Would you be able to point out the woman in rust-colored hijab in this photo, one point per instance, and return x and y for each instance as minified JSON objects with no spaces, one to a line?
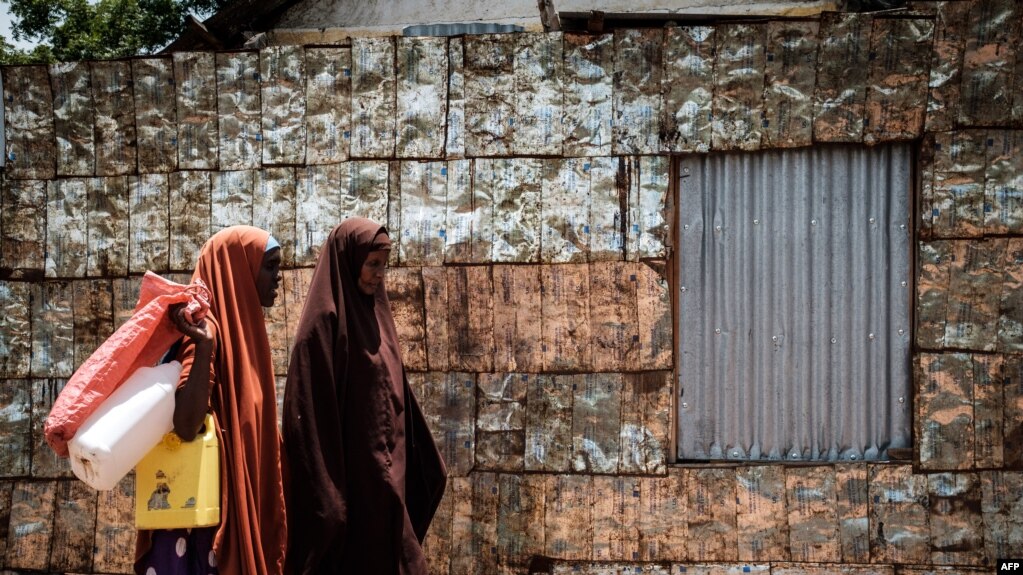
{"x":227,"y":370}
{"x":365,"y":476}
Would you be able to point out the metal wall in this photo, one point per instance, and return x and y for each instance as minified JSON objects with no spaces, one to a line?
{"x":795,"y":272}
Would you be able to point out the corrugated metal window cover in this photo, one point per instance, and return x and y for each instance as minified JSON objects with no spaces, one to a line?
{"x":794,"y":304}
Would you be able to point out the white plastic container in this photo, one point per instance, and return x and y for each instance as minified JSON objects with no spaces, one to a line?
{"x":125,"y":427}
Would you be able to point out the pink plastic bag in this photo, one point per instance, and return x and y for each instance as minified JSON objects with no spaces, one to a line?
{"x":140,"y":342}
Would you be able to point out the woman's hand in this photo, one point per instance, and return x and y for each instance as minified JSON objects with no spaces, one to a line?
{"x":201,"y":331}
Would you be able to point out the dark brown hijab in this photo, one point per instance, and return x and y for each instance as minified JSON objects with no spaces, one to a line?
{"x":365,"y":476}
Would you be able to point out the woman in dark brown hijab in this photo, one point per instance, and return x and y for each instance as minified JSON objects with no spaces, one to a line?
{"x":365,"y":475}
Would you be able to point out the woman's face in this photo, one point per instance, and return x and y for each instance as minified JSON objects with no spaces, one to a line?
{"x":269,"y":277}
{"x":373,"y":269}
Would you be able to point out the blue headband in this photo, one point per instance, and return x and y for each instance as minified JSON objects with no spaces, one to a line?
{"x":271,"y":243}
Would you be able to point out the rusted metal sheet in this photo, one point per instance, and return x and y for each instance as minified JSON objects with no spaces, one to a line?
{"x":422,"y":95}
{"x":838,"y":107}
{"x":935,"y":262}
{"x":190,"y":200}
{"x":373,"y":97}
{"x":613,"y":514}
{"x":107,"y":227}
{"x":5,"y":514}
{"x":73,"y":118}
{"x":789,"y":81}
{"x":853,"y":520}
{"x":687,"y":88}
{"x":501,"y":421}
{"x":405,"y":292}
{"x":152,"y":80}
{"x":460,"y":491}
{"x":649,"y":216}
{"x":296,"y":286}
{"x":568,"y":524}
{"x":549,"y":423}
{"x":15,"y":329}
{"x":282,"y":78}
{"x":461,"y":214}
{"x":596,"y":423}
{"x":711,"y":496}
{"x":485,"y":504}
{"x":45,"y":462}
{"x":454,"y":146}
{"x":636,"y":100}
{"x":520,"y":524}
{"x":15,"y":429}
{"x":115,"y":528}
{"x":93,"y":316}
{"x":818,"y":569}
{"x":423,"y":191}
{"x":273,"y":208}
{"x":515,"y":185}
{"x":539,"y":101}
{"x":517,"y":313}
{"x":1010,"y":306}
{"x":971,"y":317}
{"x":231,"y":199}
{"x":52,"y":330}
{"x":565,"y":211}
{"x":588,"y":70}
{"x":813,"y":518}
{"x":29,"y":130}
{"x":22,"y":228}
{"x":74,"y":526}
{"x":364,"y":191}
{"x":117,"y":152}
{"x":661,"y":513}
{"x":645,"y":424}
{"x":992,"y":39}
{"x":760,"y":513}
{"x":490,"y":99}
{"x":738,"y":102}
{"x":957,"y":527}
{"x":565,"y":310}
{"x":1012,"y":377}
{"x":195,"y":77}
{"x":317,"y":209}
{"x":900,"y":52}
{"x":471,"y":318}
{"x":276,"y":319}
{"x":449,"y":403}
{"x":609,"y":189}
{"x":900,"y":504}
{"x":149,"y":223}
{"x":988,"y":413}
{"x":924,"y":207}
{"x":488,"y":175}
{"x":946,"y":65}
{"x":1003,"y":182}
{"x":66,"y":241}
{"x":435,"y":302}
{"x":238,"y":105}
{"x":125,"y":296}
{"x":440,"y":539}
{"x":720,"y":569}
{"x":653,"y":309}
{"x":614,"y":317}
{"x":31,"y":524}
{"x":945,"y":411}
{"x":328,"y":100}
{"x":1002,"y":512}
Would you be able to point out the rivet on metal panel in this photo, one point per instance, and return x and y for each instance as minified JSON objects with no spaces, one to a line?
{"x":718,"y":330}
{"x":903,"y":226}
{"x":872,"y":220}
{"x":904,"y":284}
{"x":756,"y":222}
{"x":795,"y":455}
{"x":683,"y":288}
{"x":685,"y":227}
{"x":834,"y":340}
{"x":685,"y":170}
{"x":717,"y":228}
{"x":902,"y":400}
{"x":735,"y":454}
{"x":870,"y":336}
{"x":774,"y":338}
{"x":853,"y":457}
{"x":902,"y":332}
{"x":813,"y":222}
{"x":685,"y":405}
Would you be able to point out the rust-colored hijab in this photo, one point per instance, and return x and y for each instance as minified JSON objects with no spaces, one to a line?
{"x":252,"y":536}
